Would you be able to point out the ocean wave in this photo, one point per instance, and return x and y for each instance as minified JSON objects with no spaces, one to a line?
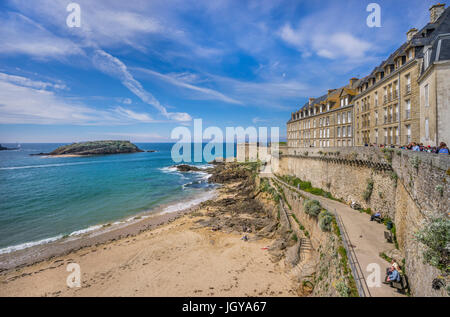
{"x":28,"y":245}
{"x":169,"y":169}
{"x":190,"y":203}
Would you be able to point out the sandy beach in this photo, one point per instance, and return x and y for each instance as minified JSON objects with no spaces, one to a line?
{"x":168,"y":255}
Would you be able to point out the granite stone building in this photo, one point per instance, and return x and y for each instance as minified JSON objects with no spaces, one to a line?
{"x":404,"y":99}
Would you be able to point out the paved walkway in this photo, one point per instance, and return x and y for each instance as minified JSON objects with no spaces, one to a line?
{"x":366,"y":237}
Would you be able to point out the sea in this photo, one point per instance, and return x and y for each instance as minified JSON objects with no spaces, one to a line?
{"x":44,"y":198}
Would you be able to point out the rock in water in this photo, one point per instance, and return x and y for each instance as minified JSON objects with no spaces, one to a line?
{"x":187,"y":168}
{"x":96,"y":148}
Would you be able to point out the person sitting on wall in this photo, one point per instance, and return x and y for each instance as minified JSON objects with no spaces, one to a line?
{"x":393,"y":273}
{"x":394,"y":276}
{"x":375,"y":216}
{"x":443,"y":149}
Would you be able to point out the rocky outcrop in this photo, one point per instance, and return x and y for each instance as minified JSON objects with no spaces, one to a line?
{"x":228,"y":173}
{"x":95,"y":148}
{"x":187,"y":168}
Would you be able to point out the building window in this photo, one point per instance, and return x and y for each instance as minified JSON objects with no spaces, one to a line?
{"x":427,"y":97}
{"x":339,"y":118}
{"x":349,"y":130}
{"x":426,"y":59}
{"x":408,"y":134}
{"x":408,"y":109}
{"x":427,"y":129}
{"x":349,"y":116}
{"x":408,"y":84}
{"x":339,"y":132}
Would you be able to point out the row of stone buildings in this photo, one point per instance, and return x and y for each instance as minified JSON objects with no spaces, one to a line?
{"x":405,"y":99}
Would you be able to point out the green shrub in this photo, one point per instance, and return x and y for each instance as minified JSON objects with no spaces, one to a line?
{"x":435,"y":235}
{"x":342,"y":289}
{"x":325,"y":220}
{"x":312,"y":207}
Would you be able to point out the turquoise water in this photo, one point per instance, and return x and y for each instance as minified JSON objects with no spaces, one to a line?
{"x":44,"y":197}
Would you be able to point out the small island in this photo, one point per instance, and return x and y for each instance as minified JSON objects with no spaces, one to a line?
{"x":2,"y":148}
{"x":94,"y":148}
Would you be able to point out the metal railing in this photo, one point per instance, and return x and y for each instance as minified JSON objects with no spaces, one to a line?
{"x":357,"y":272}
{"x":361,"y":284}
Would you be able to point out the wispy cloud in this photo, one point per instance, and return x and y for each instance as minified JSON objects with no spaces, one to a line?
{"x":21,"y":35}
{"x":182,"y":80}
{"x":26,"y":82}
{"x":332,"y":45}
{"x":26,"y":101}
{"x":114,"y":67}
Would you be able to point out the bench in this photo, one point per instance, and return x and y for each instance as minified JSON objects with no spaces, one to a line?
{"x":388,"y":237}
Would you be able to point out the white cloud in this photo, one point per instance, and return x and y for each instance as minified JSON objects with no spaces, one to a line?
{"x":114,"y":67}
{"x":127,"y":101}
{"x":27,"y":102}
{"x":259,"y":120}
{"x":26,"y":82}
{"x":182,"y":80}
{"x":141,"y":117}
{"x":331,"y":45}
{"x":21,"y":35}
{"x":137,"y":137}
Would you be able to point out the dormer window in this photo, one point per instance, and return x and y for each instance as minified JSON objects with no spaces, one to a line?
{"x":426,"y":59}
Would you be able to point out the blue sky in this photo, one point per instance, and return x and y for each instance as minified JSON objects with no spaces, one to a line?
{"x":137,"y":69}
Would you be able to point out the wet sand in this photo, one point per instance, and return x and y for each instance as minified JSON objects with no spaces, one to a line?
{"x":165,"y":255}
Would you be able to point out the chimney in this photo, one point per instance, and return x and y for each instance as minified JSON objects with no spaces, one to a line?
{"x":411,"y":33}
{"x":353,"y":81}
{"x":436,"y":11}
{"x":311,"y":101}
